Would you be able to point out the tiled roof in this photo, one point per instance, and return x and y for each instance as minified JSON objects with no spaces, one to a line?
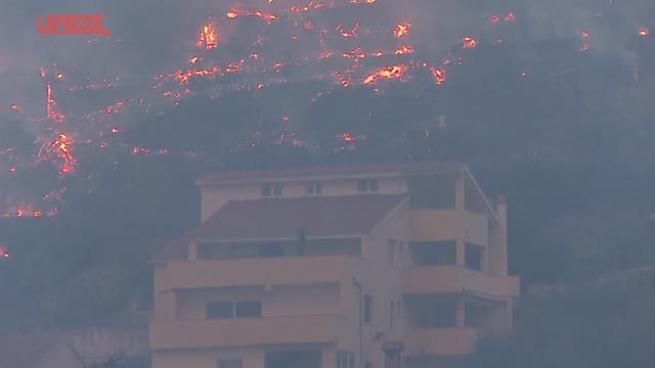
{"x":283,"y":218}
{"x":326,"y":171}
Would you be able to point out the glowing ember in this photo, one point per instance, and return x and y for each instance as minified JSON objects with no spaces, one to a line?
{"x":208,"y":38}
{"x":401,"y":30}
{"x":469,"y":42}
{"x":494,"y":19}
{"x":584,"y":36}
{"x":510,"y":17}
{"x":60,"y":148}
{"x":15,"y":107}
{"x":404,"y":50}
{"x":352,"y":33}
{"x":644,"y":32}
{"x":439,"y":75}
{"x":4,"y":253}
{"x":118,"y":106}
{"x":346,"y":137}
{"x":194,"y":59}
{"x":268,"y":17}
{"x":183,"y":76}
{"x":385,"y":72}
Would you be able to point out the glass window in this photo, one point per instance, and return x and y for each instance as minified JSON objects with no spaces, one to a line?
{"x":220,"y":310}
{"x":313,"y":187}
{"x":228,"y":363}
{"x":277,"y":189}
{"x":373,"y":185}
{"x":368,"y":308}
{"x":473,"y":257}
{"x":248,"y":309}
{"x":267,"y":190}
{"x":440,"y":253}
{"x":362,"y":185}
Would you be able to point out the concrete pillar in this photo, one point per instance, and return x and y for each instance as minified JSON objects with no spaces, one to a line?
{"x":460,"y":250}
{"x":329,"y":358}
{"x":193,"y":251}
{"x":460,"y":193}
{"x":461,"y":313}
{"x":500,"y":246}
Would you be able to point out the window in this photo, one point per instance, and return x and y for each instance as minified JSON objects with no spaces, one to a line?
{"x":392,"y":312}
{"x":314,"y":187}
{"x":436,"y":315}
{"x":392,"y":243}
{"x":220,"y":310}
{"x":440,"y":253}
{"x":248,"y":309}
{"x":232,"y":310}
{"x":368,"y":308}
{"x":345,"y":359}
{"x":269,"y":190}
{"x":473,"y":257}
{"x":432,"y":192}
{"x":228,"y":363}
{"x":367,"y":185}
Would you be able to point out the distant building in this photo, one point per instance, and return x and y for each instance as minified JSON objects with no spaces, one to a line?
{"x":37,"y":351}
{"x":334,"y":267}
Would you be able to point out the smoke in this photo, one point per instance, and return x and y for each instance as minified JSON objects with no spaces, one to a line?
{"x":109,"y":85}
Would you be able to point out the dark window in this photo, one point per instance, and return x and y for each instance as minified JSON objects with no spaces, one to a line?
{"x":473,"y":257}
{"x":437,"y":315}
{"x":373,"y":185}
{"x":277,"y":189}
{"x":474,"y":315}
{"x":473,"y":200}
{"x":368,"y":308}
{"x":313,"y":187}
{"x":439,"y":253}
{"x":362,"y":185}
{"x":248,"y":309}
{"x":244,"y":251}
{"x":228,"y":363}
{"x":271,"y":189}
{"x":432,"y":192}
{"x":272,"y":250}
{"x":392,"y":311}
{"x":220,"y":310}
{"x":267,"y":190}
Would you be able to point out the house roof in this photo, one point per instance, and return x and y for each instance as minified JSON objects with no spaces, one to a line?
{"x":334,"y":170}
{"x":28,"y":351}
{"x":274,"y":218}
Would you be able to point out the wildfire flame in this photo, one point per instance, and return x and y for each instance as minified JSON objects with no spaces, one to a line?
{"x":439,"y":75}
{"x":401,"y":30}
{"x":208,"y":38}
{"x":469,"y":42}
{"x":644,"y":32}
{"x":4,"y":253}
{"x":385,"y":72}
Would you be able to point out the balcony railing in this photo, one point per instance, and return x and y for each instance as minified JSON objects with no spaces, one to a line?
{"x":453,"y":279}
{"x":440,"y":341}
{"x":247,"y":332}
{"x":255,"y":271}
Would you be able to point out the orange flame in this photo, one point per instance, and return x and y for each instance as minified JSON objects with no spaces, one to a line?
{"x":385,"y":72}
{"x":469,"y":42}
{"x":439,"y":75}
{"x":268,"y":17}
{"x":402,"y":30}
{"x":404,"y":50}
{"x":348,"y":34}
{"x":644,"y":32}
{"x":208,"y":38}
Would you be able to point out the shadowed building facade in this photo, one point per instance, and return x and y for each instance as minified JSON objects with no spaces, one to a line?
{"x":334,"y":267}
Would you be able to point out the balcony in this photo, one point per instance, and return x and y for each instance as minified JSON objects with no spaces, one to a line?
{"x":440,"y":341}
{"x":453,"y":279}
{"x":247,"y":332}
{"x":447,"y":224}
{"x":256,"y":271}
